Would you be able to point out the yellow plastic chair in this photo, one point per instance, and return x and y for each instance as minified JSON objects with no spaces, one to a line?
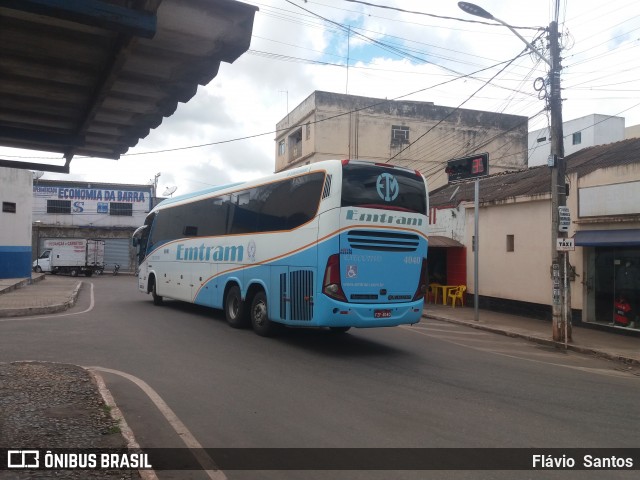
{"x":457,"y":294}
{"x":432,"y":293}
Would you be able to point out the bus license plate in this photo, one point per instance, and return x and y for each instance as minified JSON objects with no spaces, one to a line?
{"x":382,"y":314}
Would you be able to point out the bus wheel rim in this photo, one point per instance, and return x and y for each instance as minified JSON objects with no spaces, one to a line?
{"x":260,"y":313}
{"x":234,"y":307}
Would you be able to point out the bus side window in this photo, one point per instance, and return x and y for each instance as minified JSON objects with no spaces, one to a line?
{"x":244,"y":214}
{"x":190,"y":231}
{"x":214,"y":220}
{"x":304,"y":198}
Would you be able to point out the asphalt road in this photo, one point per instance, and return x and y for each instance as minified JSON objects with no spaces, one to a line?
{"x":434,"y":385}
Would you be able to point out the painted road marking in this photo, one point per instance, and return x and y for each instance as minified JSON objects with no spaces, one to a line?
{"x":180,"y":428}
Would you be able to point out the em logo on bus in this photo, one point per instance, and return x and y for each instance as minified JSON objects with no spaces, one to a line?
{"x":387,"y":187}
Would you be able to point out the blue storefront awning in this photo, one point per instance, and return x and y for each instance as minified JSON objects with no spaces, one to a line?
{"x":607,"y":238}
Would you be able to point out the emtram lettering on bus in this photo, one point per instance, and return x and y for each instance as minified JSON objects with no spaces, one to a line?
{"x":383,"y":218}
{"x":205,"y":253}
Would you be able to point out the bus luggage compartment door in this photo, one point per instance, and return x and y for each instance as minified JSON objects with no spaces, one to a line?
{"x":295,"y":293}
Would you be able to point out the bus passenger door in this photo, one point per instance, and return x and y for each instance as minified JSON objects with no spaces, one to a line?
{"x":178,"y":281}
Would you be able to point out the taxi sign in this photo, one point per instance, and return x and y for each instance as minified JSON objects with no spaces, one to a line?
{"x":565,"y":245}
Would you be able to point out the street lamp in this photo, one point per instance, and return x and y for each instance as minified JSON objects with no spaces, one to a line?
{"x":472,"y":9}
{"x":561,"y":298}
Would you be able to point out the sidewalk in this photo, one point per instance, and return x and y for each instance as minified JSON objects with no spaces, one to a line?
{"x":44,"y":295}
{"x":586,"y":340}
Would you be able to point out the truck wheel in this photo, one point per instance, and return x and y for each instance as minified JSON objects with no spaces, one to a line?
{"x":38,"y":269}
{"x":73,"y":272}
{"x":234,"y":309}
{"x":157,"y":299}
{"x":260,"y":318}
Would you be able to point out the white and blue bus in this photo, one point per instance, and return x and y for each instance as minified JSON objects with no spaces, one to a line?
{"x":335,"y":244}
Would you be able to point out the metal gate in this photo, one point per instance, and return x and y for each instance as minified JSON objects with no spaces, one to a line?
{"x":117,"y":250}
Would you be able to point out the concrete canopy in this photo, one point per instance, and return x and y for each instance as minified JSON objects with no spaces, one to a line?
{"x":94,"y":77}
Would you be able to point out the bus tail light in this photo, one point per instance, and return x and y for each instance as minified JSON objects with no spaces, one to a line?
{"x":331,"y":286}
{"x":422,"y":284}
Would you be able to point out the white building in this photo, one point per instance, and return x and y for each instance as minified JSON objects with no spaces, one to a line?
{"x":578,"y":134}
{"x":111,"y":212}
{"x":515,"y":247}
{"x":418,"y":135}
{"x":15,"y":223}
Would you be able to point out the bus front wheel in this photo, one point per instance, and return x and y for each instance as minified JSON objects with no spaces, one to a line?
{"x":234,"y":309}
{"x":157,"y":299}
{"x":260,"y":318}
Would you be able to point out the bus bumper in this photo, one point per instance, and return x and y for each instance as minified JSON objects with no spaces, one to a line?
{"x":339,"y":314}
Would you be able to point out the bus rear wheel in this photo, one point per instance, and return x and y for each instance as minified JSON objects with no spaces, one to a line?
{"x":234,"y":309}
{"x":260,"y":318}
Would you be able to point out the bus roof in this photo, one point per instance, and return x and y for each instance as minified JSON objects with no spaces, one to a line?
{"x":199,"y":193}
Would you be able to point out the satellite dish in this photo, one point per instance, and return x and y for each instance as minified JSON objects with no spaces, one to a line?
{"x":37,"y":174}
{"x":169,"y":191}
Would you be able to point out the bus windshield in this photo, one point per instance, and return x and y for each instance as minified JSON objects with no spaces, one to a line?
{"x":377,"y":186}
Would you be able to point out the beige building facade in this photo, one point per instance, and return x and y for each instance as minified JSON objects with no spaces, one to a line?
{"x":515,"y":237}
{"x":419,"y":135}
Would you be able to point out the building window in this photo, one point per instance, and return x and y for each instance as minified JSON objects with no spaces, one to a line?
{"x":510,"y":243}
{"x":281,"y":148}
{"x":121,"y":209}
{"x":8,"y":207}
{"x":399,"y":135}
{"x":577,"y":138}
{"x":308,"y":130}
{"x":59,"y":206}
{"x":295,"y":145}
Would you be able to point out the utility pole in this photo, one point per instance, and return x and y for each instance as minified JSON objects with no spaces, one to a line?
{"x":561,"y":295}
{"x":561,"y":301}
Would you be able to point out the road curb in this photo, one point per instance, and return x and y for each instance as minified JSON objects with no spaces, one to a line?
{"x":543,"y":341}
{"x":69,"y":302}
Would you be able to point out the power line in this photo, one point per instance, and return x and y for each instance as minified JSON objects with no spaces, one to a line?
{"x":458,"y":107}
{"x":435,"y":16}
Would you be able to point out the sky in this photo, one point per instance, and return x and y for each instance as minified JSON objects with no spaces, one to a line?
{"x":414,"y":50}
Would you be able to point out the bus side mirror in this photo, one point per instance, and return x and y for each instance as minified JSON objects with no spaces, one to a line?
{"x":134,"y":241}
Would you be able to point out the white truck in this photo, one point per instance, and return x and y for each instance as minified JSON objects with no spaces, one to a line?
{"x":73,"y":256}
